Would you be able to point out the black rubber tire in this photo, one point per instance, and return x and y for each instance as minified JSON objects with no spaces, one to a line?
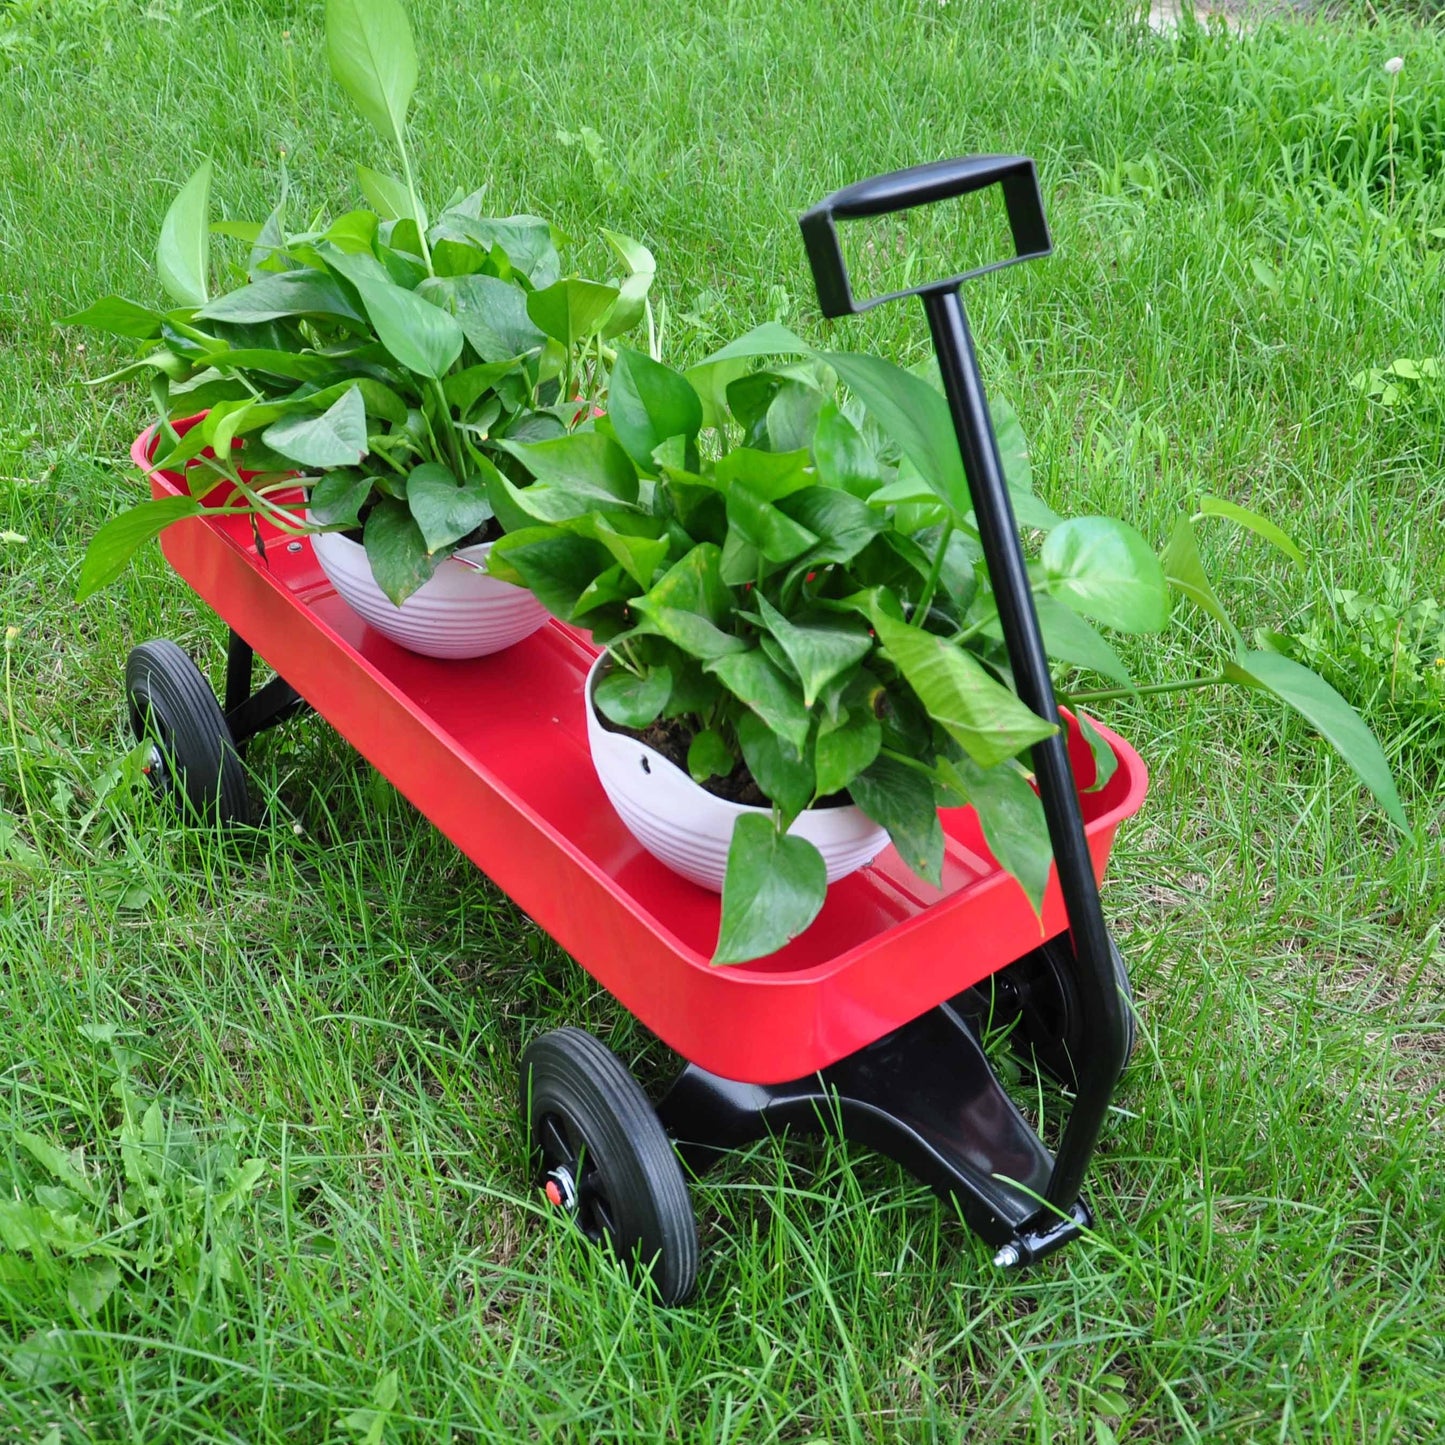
{"x":1038,"y":999}
{"x":630,"y":1193}
{"x":195,"y":763}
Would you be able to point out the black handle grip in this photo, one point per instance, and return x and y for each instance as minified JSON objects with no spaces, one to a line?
{"x":921,"y":186}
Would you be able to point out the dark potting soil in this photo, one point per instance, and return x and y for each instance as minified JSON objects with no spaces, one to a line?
{"x":672,"y":737}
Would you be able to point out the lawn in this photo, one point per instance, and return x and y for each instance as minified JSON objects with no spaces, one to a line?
{"x":339,"y":996}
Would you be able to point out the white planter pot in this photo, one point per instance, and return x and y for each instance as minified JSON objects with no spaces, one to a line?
{"x":689,"y":828}
{"x":460,"y":612}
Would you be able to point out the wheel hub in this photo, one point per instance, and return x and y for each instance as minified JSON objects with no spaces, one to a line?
{"x":561,"y":1189}
{"x":154,"y":769}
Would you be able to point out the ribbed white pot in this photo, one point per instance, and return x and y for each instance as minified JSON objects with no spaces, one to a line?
{"x":460,"y":612}
{"x":689,"y":828}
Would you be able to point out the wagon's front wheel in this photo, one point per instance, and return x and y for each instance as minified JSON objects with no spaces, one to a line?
{"x":192,"y":759}
{"x":1039,"y":1000}
{"x":602,"y":1156}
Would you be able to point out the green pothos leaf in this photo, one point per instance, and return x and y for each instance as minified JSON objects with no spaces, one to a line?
{"x":630,"y":700}
{"x":1106,"y":760}
{"x":774,"y":888}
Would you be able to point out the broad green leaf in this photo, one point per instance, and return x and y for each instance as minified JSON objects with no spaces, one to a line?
{"x":774,"y":888}
{"x":633,"y":254}
{"x":271,"y":238}
{"x":1106,"y":760}
{"x":380,"y":401}
{"x":284,"y":294}
{"x":373,"y":59}
{"x":526,"y":245}
{"x":784,"y":774}
{"x":843,"y":457}
{"x":247,"y":231}
{"x":610,"y":586}
{"x":910,"y":489}
{"x":1326,"y":710}
{"x":336,"y":438}
{"x":1013,"y":450}
{"x":574,"y":473}
{"x":769,"y":339}
{"x":694,"y":634}
{"x":463,"y":389}
{"x":492,"y":313}
{"x":648,"y":403}
{"x":631,"y":304}
{"x":843,"y":751}
{"x":978,"y":712}
{"x":445,"y":510}
{"x":118,"y":317}
{"x":353,"y":233}
{"x":632,"y":701}
{"x":1069,"y":639}
{"x":819,"y":651}
{"x":710,"y":380}
{"x":338,"y":497}
{"x":915,"y":416}
{"x":1261,"y":526}
{"x":396,"y":550}
{"x":1106,"y":570}
{"x":761,"y":525}
{"x":694,"y":584}
{"x":708,"y":756}
{"x":1184,"y":571}
{"x":119,"y":539}
{"x":183,"y":255}
{"x":90,"y":1283}
{"x":792,"y":416}
{"x":842,"y":523}
{"x":769,"y":476}
{"x":640,"y":556}
{"x":572,"y":310}
{"x":293,"y":365}
{"x":900,"y":799}
{"x":555,"y":566}
{"x":1012,"y":818}
{"x":755,"y":681}
{"x":422,"y":337}
{"x":387,"y":196}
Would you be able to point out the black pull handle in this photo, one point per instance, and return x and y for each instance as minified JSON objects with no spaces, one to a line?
{"x":998,"y":534}
{"x":921,"y":186}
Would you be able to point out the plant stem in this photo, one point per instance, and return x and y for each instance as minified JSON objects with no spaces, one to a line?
{"x":930,"y":586}
{"x":445,"y":417}
{"x":416,"y":212}
{"x":907,"y":762}
{"x":1109,"y":693}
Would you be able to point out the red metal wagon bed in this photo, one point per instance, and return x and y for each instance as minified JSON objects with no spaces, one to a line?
{"x":870,"y":1018}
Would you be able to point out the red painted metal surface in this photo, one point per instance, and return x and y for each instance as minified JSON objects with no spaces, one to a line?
{"x":494,"y":753}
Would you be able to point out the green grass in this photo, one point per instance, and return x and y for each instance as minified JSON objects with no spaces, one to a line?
{"x":339,"y":995}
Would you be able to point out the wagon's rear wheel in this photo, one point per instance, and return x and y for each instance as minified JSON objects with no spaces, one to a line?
{"x":602,"y":1156}
{"x":193,"y":760}
{"x":1039,"y":1000}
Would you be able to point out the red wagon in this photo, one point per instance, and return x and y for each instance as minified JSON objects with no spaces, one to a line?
{"x":870,"y":1020}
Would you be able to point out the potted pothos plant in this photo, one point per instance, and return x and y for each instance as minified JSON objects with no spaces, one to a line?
{"x":802,"y":658}
{"x":376,"y":363}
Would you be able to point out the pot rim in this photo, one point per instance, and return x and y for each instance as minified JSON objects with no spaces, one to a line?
{"x":469,"y":556}
{"x":593,"y":672}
